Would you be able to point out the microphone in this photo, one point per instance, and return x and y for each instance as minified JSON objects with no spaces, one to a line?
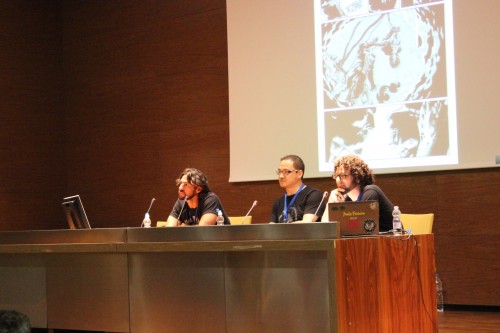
{"x":146,"y":223}
{"x":150,"y":205}
{"x":253,"y":205}
{"x":182,"y":208}
{"x":325,"y":195}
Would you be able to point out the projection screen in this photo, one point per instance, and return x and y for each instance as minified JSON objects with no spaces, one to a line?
{"x":409,"y":85}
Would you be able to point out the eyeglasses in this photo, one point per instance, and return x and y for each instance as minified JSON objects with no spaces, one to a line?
{"x":342,"y":176}
{"x":179,"y":182}
{"x":285,"y":172}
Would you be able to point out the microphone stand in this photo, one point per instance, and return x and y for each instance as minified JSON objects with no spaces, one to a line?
{"x":253,"y":205}
{"x":325,"y":194}
{"x":182,"y":208}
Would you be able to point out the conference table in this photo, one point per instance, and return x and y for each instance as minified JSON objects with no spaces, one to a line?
{"x":300,"y":277}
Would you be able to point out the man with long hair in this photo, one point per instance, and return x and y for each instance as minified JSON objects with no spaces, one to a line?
{"x":197,"y":204}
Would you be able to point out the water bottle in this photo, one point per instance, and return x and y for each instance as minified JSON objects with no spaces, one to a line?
{"x":146,"y":223}
{"x":439,"y":294}
{"x":396,"y":221}
{"x":220,"y":217}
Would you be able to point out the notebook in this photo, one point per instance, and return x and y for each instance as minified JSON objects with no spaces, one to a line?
{"x":355,"y":218}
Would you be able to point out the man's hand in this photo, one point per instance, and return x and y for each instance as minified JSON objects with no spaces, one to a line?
{"x":338,"y":195}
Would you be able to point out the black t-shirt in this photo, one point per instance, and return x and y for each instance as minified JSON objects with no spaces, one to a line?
{"x":208,"y":203}
{"x":306,"y":203}
{"x":373,"y":192}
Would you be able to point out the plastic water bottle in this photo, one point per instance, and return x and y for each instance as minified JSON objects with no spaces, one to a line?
{"x":146,"y":223}
{"x":220,"y":217}
{"x":439,"y":293}
{"x":396,"y":221}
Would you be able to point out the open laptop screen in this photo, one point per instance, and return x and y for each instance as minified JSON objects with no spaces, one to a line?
{"x":356,"y":218}
{"x":75,"y":214}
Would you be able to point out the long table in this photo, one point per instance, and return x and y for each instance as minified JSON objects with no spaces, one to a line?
{"x":241,"y":278}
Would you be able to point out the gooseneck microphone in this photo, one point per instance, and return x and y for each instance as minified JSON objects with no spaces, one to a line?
{"x":147,"y":221}
{"x":150,"y":205}
{"x":253,"y":205}
{"x":325,"y":195}
{"x":182,"y":208}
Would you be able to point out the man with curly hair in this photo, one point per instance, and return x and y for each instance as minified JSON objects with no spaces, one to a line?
{"x":197,"y":205}
{"x":355,"y":182}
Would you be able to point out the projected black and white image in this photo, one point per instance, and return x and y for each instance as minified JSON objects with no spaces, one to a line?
{"x":396,"y":131}
{"x":384,"y":91}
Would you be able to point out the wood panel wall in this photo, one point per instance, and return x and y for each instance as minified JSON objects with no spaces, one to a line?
{"x":32,"y":165}
{"x":135,"y":91}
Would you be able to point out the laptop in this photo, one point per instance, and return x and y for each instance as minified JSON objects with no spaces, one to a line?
{"x":75,"y":214}
{"x":358,"y":218}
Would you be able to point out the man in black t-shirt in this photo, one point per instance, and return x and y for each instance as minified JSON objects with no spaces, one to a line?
{"x":197,"y":205}
{"x":299,"y":202}
{"x":354,"y":181}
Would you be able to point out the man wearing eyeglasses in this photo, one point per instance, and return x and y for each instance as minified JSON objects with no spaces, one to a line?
{"x":299,"y":202}
{"x":355,"y":182}
{"x":197,"y":205}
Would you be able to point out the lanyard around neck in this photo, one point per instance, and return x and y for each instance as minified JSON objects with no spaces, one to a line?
{"x":360,"y":195}
{"x":287,"y":207}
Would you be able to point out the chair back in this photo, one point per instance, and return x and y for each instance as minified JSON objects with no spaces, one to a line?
{"x":239,"y":219}
{"x":419,"y":224}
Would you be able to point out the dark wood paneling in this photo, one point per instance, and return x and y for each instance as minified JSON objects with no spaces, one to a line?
{"x":469,"y":267}
{"x":144,"y":95}
{"x":32,"y":170}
